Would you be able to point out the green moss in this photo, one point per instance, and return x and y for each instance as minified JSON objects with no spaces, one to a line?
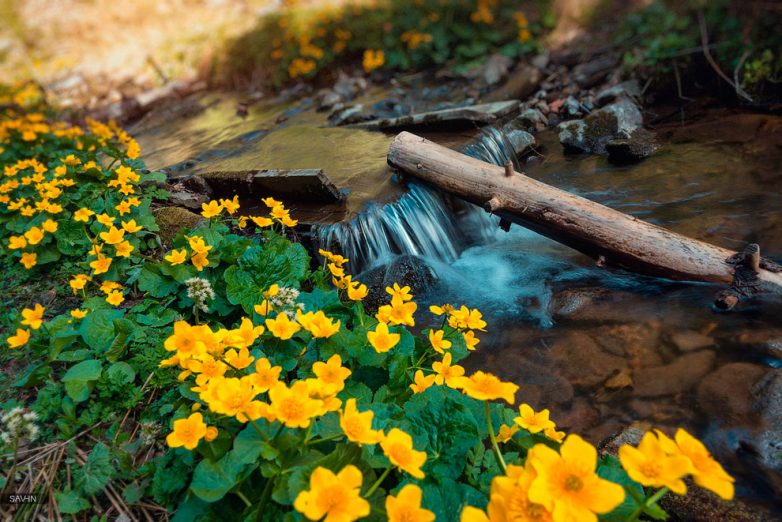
{"x":173,"y":219}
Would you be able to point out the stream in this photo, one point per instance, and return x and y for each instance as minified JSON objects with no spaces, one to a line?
{"x":601,"y":348}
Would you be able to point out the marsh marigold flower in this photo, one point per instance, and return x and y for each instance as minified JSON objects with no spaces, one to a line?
{"x":20,"y":338}
{"x":176,"y":257}
{"x":567,"y":485}
{"x":265,"y":376}
{"x":293,"y":406}
{"x":422,"y":382}
{"x":282,"y":327}
{"x":318,"y":324}
{"x":438,"y":343}
{"x":357,"y":426}
{"x":77,"y":313}
{"x":406,"y":506}
{"x":211,"y":209}
{"x":487,"y":387}
{"x":707,"y":473}
{"x":187,"y":432}
{"x":531,"y":421}
{"x":332,"y":373}
{"x":337,"y":497}
{"x":446,"y":373}
{"x":398,"y":447}
{"x":650,"y":465}
{"x":33,"y":317}
{"x":381,"y":339}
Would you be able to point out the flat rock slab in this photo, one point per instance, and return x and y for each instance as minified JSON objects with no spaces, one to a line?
{"x":310,"y":185}
{"x":483,"y":114}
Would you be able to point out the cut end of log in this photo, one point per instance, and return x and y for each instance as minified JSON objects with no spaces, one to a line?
{"x":493,"y":205}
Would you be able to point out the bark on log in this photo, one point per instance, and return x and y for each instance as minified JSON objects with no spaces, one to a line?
{"x":579,"y":223}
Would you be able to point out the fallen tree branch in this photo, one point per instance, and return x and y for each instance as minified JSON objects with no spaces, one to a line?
{"x":598,"y":231}
{"x":714,"y":65}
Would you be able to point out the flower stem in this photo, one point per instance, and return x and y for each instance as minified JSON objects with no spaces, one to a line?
{"x":493,"y":437}
{"x":267,"y":491}
{"x":649,"y":502}
{"x":324,"y":439}
{"x":243,"y":497}
{"x":377,"y":483}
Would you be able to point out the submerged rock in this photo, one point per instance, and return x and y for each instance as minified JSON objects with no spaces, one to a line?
{"x":583,"y":362}
{"x":406,"y":270}
{"x":690,"y":340}
{"x":679,"y":376}
{"x":726,"y":395}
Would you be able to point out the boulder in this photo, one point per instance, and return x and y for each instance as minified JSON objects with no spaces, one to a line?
{"x":700,"y":505}
{"x":676,"y":377}
{"x":521,"y":140}
{"x":171,"y":220}
{"x":593,"y":133}
{"x":629,"y":89}
{"x":726,"y":395}
{"x":532,"y":120}
{"x":637,"y":146}
{"x":406,"y":270}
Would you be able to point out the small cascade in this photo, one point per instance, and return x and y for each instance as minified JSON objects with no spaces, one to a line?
{"x":422,"y":222}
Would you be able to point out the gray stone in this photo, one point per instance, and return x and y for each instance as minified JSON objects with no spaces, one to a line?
{"x":571,"y":107}
{"x":679,"y":376}
{"x":591,"y":134}
{"x":637,"y":146}
{"x":628,"y":89}
{"x":351,"y":114}
{"x":520,"y":140}
{"x":531,"y":119}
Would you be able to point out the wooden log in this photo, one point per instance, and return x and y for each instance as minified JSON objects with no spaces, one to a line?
{"x":591,"y":228}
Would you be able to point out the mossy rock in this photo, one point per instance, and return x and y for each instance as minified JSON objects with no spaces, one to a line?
{"x":173,"y":219}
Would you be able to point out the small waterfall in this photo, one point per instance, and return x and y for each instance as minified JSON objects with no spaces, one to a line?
{"x":422,"y":222}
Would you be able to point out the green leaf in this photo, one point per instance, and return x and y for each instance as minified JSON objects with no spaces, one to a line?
{"x":121,"y":372}
{"x":80,"y":378}
{"x":33,"y":375}
{"x":70,"y":502}
{"x":212,"y":480}
{"x":97,"y":329}
{"x":96,"y":472}
{"x":124,"y":329}
{"x":71,"y":238}
{"x":154,"y":284}
{"x":442,"y":425}
{"x":446,"y":496}
{"x":609,"y":468}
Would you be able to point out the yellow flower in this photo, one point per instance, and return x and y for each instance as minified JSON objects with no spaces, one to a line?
{"x":233,"y":397}
{"x":105,"y":219}
{"x":239,"y":360}
{"x":34,"y":235}
{"x":78,"y":282}
{"x":115,"y":298}
{"x":176,"y":257}
{"x":281,"y":327}
{"x":357,"y":291}
{"x":398,"y":447}
{"x":486,"y":387}
{"x":553,"y":434}
{"x":422,"y":382}
{"x":531,"y":421}
{"x":261,"y":222}
{"x":188,"y":341}
{"x":230,"y":205}
{"x":470,"y":340}
{"x":332,"y":373}
{"x":381,"y":340}
{"x":19,"y":339}
{"x":187,"y":432}
{"x":200,"y":261}
{"x":398,"y":312}
{"x":506,"y":433}
{"x":336,"y":497}
{"x":130,"y":226}
{"x":440,"y":310}
{"x":293,"y":406}
{"x":101,"y":265}
{"x":566,"y":482}
{"x":265,"y":376}
{"x":473,"y":514}
{"x":650,"y":465}
{"x":113,"y":236}
{"x":50,"y":226}
{"x":107,"y":286}
{"x":262,"y":309}
{"x":123,"y":249}
{"x":76,"y":313}
{"x":373,"y":59}
{"x":198,"y":245}
{"x":33,"y":317}
{"x":406,"y":506}
{"x":509,"y":499}
{"x":708,"y":473}
{"x":211,"y":209}
{"x":357,"y":426}
{"x":438,"y":343}
{"x":271,"y":202}
{"x":211,"y":433}
{"x":16,"y":242}
{"x":318,"y":324}
{"x":398,"y":292}
{"x":447,"y":374}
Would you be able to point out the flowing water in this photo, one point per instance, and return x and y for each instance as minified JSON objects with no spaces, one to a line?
{"x":601,"y":348}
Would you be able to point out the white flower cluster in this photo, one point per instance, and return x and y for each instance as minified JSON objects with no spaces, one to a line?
{"x":199,"y":290}
{"x":285,"y":299}
{"x":18,"y":425}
